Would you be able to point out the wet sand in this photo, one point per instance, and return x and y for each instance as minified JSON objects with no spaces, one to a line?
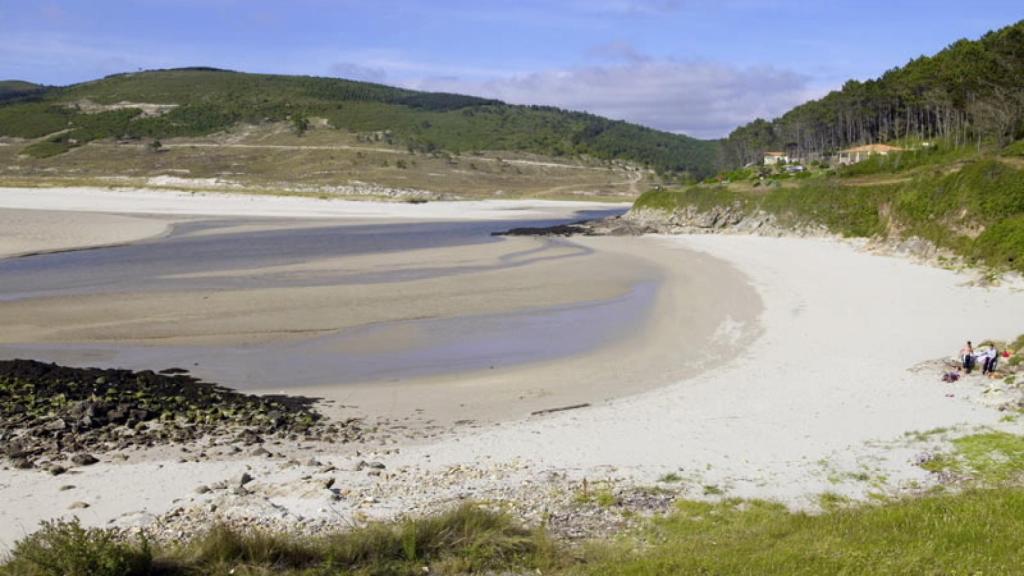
{"x":36,"y":231}
{"x":397,"y":319}
{"x":703,"y":312}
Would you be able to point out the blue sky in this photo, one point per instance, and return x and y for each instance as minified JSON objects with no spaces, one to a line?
{"x":700,"y":67}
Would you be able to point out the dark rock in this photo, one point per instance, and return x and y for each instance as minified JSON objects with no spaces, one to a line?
{"x":84,"y":459}
{"x":117,"y":415}
{"x":21,"y":463}
{"x":50,"y":410}
{"x":55,"y":425}
{"x":56,"y":469}
{"x":173,"y":371}
{"x":244,"y":479}
{"x":577,"y":228}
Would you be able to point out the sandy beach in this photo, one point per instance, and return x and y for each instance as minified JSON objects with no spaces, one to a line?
{"x":770,"y":367}
{"x":36,"y":231}
{"x":165,"y":202}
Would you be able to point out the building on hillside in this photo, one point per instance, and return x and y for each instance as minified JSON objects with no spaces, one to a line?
{"x":861,"y":153}
{"x":773,"y":158}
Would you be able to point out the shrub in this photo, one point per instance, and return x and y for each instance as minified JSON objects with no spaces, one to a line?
{"x":65,"y":548}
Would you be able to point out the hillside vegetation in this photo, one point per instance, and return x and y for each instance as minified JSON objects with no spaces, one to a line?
{"x":10,"y":89}
{"x":975,"y":211}
{"x":958,"y":184}
{"x":970,"y":92}
{"x":201,"y":101}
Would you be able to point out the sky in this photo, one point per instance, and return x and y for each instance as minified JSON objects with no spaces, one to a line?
{"x":699,"y":67}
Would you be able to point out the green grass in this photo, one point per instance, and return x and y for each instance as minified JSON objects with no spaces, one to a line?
{"x":1014,"y":149}
{"x":975,"y":532}
{"x":976,"y":211}
{"x":991,"y":458}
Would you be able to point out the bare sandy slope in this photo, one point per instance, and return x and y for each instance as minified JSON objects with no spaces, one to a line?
{"x":34,"y":231}
{"x":820,"y":402}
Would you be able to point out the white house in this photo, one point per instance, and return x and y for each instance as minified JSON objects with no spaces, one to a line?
{"x":773,"y":158}
{"x":861,"y":153}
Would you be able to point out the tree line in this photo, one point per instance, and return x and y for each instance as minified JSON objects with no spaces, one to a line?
{"x":969,"y":93}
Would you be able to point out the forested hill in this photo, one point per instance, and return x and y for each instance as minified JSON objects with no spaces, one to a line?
{"x":201,"y":101}
{"x":972,"y":91}
{"x":10,"y":89}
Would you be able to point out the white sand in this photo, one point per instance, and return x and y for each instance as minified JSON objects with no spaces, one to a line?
{"x":133,"y":201}
{"x":35,"y":231}
{"x":829,"y":380}
{"x":826,"y":389}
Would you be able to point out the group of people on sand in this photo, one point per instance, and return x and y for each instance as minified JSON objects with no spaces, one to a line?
{"x":988,"y":357}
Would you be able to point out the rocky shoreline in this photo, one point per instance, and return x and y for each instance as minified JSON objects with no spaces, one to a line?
{"x":733,"y":219}
{"x":52,"y":417}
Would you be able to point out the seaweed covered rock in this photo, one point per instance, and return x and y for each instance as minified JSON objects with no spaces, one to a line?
{"x":51,"y":410}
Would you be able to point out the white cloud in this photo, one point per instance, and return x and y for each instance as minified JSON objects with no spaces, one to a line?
{"x":701,"y":99}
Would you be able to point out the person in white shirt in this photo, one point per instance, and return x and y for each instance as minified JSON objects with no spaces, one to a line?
{"x":991,"y":358}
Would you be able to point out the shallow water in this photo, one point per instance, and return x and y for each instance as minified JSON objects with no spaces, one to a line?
{"x":151,"y":265}
{"x":390,"y":351}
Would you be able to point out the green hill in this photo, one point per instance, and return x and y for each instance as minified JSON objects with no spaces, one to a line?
{"x":12,"y":89}
{"x":195,"y":102}
{"x":971,"y":92}
{"x":958,"y":184}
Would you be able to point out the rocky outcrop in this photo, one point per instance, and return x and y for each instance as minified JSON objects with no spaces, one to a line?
{"x":724,"y":219}
{"x":718,"y":219}
{"x":736,"y":219}
{"x":50,"y":412}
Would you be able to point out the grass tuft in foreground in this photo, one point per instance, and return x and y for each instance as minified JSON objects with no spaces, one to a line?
{"x":64,"y":548}
{"x":973,"y":532}
{"x":467,"y":539}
